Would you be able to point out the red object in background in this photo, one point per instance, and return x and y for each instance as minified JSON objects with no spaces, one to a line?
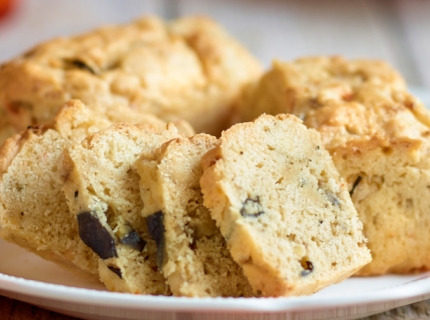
{"x":5,"y":6}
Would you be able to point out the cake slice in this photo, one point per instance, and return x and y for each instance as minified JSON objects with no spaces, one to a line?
{"x":192,"y":252}
{"x":284,"y":211}
{"x":33,"y":209}
{"x":102,"y":190}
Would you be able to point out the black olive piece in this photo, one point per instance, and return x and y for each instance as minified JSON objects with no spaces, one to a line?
{"x":156,"y":231}
{"x":116,"y":270}
{"x":332,"y":198}
{"x":133,"y":240}
{"x":82,"y":65}
{"x":251,"y":208}
{"x":308,"y":266}
{"x":302,"y":182}
{"x":95,"y":236}
{"x":356,"y":182}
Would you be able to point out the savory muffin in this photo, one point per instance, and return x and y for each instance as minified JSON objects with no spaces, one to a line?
{"x":186,"y":69}
{"x":311,"y":82}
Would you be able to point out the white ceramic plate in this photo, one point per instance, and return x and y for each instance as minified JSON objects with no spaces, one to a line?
{"x":26,"y":277}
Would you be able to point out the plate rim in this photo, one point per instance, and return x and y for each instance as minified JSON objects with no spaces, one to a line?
{"x":414,"y":288}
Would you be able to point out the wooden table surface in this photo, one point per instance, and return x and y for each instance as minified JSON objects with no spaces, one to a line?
{"x":11,"y":309}
{"x":392,"y":30}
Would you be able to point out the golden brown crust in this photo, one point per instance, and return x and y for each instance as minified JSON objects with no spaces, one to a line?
{"x":9,"y":150}
{"x":310,"y":83}
{"x":12,"y":146}
{"x":188,"y":69}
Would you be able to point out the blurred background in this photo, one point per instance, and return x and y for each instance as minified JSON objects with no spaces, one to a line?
{"x":395,"y":31}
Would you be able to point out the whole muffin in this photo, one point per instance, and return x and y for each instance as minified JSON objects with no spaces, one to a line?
{"x":311,"y":82}
{"x":187,"y":69}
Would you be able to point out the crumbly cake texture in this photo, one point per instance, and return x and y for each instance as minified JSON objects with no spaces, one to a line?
{"x":102,"y":190}
{"x":196,"y":260}
{"x":311,"y":82}
{"x":286,"y":215}
{"x":186,"y":69}
{"x":382,"y":150}
{"x":378,"y":136}
{"x":33,"y":209}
